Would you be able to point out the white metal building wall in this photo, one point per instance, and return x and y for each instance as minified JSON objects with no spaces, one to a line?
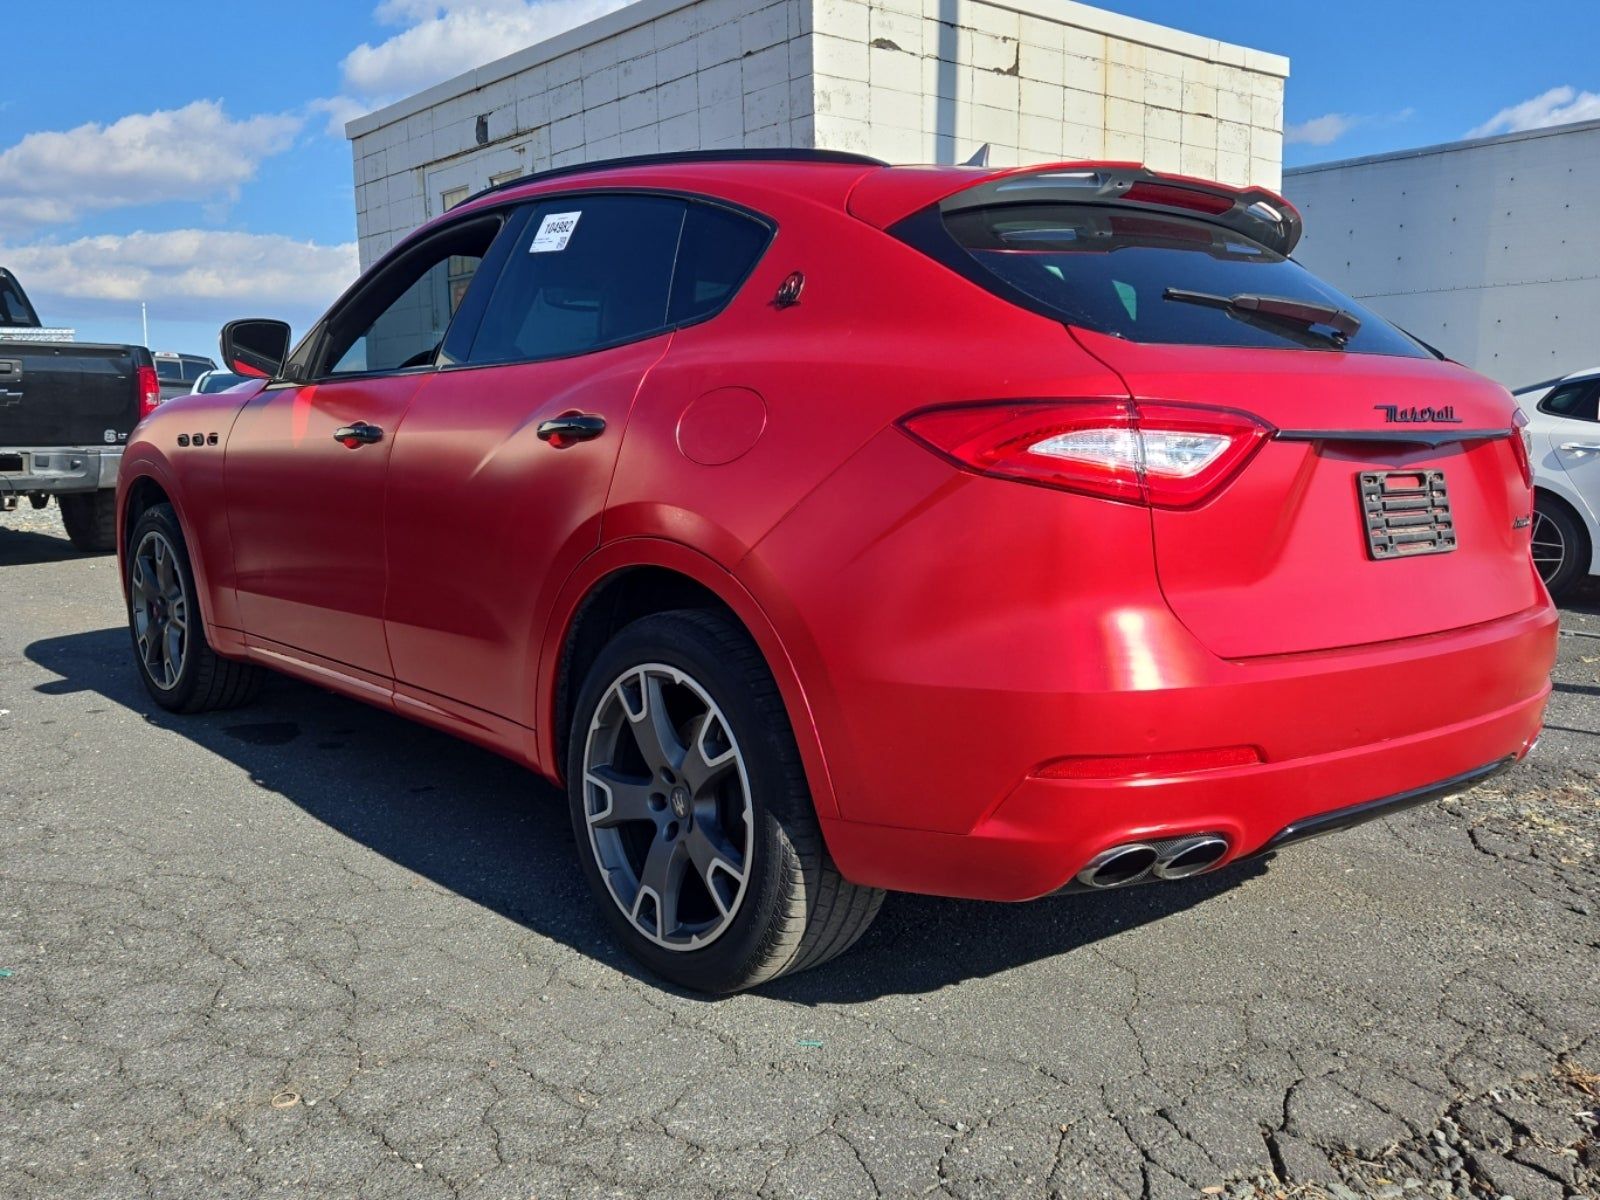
{"x":1487,"y":249}
{"x":905,"y":80}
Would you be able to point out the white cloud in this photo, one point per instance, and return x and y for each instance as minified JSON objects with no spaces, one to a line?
{"x":1330,"y":127}
{"x":1320,"y":131}
{"x":196,"y":152}
{"x":1558,"y":106}
{"x":443,"y":38}
{"x":339,"y":110}
{"x":191,"y":274}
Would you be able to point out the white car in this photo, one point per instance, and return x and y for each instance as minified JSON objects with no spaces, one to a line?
{"x":217,"y":381}
{"x":1564,"y":427}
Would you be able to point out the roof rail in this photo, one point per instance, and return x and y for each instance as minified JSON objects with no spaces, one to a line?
{"x":780,"y":154}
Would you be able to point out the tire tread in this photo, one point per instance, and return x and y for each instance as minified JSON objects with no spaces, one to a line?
{"x":90,"y":519}
{"x":826,"y":913}
{"x":219,"y":683}
{"x":818,"y":914}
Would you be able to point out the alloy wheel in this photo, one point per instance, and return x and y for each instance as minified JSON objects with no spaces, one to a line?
{"x":667,"y":805}
{"x":1549,"y":547}
{"x":160,"y":609}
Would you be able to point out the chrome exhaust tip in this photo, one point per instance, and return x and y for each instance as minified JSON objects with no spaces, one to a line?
{"x":1189,"y":856}
{"x":1163,"y":858}
{"x":1119,"y":865}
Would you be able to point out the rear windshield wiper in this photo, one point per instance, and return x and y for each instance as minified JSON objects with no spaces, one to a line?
{"x":1305,"y":313}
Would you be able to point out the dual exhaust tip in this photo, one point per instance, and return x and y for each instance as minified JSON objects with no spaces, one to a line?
{"x":1171,"y":858}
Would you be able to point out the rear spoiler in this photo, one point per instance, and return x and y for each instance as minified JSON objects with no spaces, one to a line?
{"x":887,"y":196}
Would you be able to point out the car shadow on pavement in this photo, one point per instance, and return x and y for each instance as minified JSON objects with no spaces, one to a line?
{"x":492,"y":832}
{"x":23,"y":547}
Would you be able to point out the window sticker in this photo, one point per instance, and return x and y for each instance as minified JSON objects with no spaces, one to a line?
{"x":555,"y":231}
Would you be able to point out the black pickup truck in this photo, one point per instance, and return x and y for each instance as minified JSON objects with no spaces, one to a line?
{"x":66,"y":409}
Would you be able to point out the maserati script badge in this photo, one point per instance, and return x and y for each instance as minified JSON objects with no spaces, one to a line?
{"x":1396,"y":415}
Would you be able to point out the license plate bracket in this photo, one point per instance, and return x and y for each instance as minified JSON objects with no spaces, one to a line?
{"x":1406,"y":513}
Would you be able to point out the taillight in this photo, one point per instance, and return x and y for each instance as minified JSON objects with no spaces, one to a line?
{"x":149,"y":388}
{"x":1166,"y":455}
{"x":1522,"y":445}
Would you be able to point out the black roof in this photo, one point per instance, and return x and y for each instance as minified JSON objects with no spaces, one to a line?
{"x":780,"y":154}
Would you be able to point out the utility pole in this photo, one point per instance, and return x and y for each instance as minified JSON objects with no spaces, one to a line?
{"x":144,"y":320}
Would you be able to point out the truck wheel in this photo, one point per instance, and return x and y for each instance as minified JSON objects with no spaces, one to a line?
{"x":694,"y":824}
{"x":179,"y":668}
{"x":91,"y":520}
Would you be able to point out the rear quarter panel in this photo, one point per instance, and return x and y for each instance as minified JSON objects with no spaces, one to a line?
{"x":880,"y":331}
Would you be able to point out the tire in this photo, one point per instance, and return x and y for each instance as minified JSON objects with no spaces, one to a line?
{"x":1561,"y":547}
{"x":791,"y":909}
{"x":91,"y":520}
{"x":193,"y":678}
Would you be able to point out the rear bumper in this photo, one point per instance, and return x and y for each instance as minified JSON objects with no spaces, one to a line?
{"x":57,"y":469}
{"x":956,"y":634}
{"x":1043,"y":831}
{"x":1359,"y":814}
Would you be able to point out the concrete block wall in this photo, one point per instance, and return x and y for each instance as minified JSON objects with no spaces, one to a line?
{"x":1482,"y":248}
{"x":904,"y":80}
{"x":1040,"y":80}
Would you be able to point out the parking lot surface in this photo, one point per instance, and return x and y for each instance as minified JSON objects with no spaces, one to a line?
{"x":306,"y":948}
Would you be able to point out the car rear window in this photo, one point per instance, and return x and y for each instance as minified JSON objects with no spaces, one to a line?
{"x":1109,"y":269}
{"x":14,"y":310}
{"x":169,"y":370}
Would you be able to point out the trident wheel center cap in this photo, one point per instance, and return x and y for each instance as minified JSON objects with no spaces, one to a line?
{"x":680,"y":803}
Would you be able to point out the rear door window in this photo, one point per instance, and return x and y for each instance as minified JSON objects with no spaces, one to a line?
{"x":587,"y":271}
{"x":1110,"y":269}
{"x":592,"y":271}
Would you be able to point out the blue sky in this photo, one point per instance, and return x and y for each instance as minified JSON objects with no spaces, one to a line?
{"x":195,"y":161}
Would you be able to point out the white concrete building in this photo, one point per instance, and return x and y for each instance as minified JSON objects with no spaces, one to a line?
{"x":904,"y":80}
{"x":1484,"y":248}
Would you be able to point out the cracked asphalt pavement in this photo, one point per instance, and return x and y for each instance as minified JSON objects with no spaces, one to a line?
{"x":308,"y":949}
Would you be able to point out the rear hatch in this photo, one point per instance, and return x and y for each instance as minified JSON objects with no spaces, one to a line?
{"x":1341,"y":530}
{"x":1388,"y":498}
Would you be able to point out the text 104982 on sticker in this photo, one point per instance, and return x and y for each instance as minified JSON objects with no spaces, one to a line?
{"x":555,"y":231}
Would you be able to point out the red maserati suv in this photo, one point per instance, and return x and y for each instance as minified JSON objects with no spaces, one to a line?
{"x":827,"y":527}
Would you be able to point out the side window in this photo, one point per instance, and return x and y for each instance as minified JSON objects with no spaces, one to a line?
{"x":1575,"y":401}
{"x":398,"y":320}
{"x":14,"y":309}
{"x":719,"y":250}
{"x":586,"y":272}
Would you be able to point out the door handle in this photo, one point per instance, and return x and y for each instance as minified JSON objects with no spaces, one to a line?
{"x":359,"y":434}
{"x":1581,"y":448}
{"x":570,"y":427}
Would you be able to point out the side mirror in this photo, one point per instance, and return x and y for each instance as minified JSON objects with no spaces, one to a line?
{"x":255,"y":346}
